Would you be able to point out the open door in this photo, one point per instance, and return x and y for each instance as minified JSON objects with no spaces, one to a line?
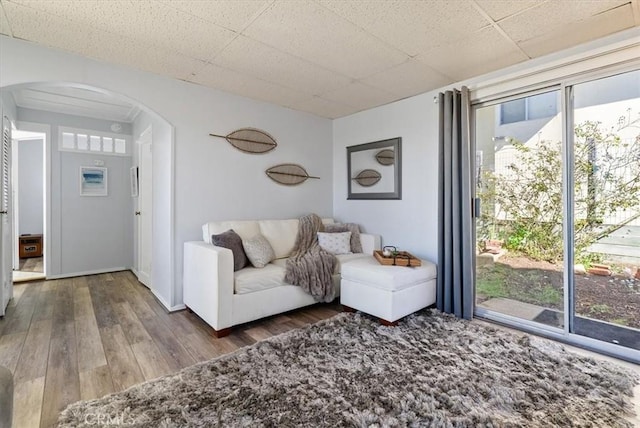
{"x":144,"y":212}
{"x":6,"y":240}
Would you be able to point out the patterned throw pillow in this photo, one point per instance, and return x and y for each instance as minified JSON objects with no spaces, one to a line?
{"x":356,"y":244}
{"x":231,"y":240}
{"x":335,"y":243}
{"x":259,"y":251}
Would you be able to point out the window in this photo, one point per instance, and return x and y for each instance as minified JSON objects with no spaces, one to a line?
{"x":78,"y":140}
{"x":533,"y":107}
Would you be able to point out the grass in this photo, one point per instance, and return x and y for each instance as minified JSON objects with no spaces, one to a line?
{"x":599,"y":309}
{"x":492,"y":284}
{"x":501,"y":281}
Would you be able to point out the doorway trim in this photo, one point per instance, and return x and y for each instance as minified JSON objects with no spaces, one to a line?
{"x":46,"y":176}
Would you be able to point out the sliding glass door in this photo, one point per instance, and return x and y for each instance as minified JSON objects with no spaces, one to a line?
{"x":519,"y":229}
{"x":557,"y":207}
{"x":606,"y":209}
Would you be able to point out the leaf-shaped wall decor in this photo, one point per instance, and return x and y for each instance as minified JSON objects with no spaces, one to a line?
{"x":250,"y":140}
{"x":367,"y":177}
{"x":386,"y":157}
{"x":288,"y":174}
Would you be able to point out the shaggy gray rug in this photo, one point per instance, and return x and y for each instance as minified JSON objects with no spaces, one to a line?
{"x":431,"y":370}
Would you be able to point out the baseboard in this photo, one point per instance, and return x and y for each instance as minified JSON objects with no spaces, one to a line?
{"x":85,"y":273}
{"x":178,"y":307}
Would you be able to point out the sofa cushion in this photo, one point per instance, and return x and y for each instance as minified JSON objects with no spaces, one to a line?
{"x":245,"y":228}
{"x":346,"y":258}
{"x":250,"y":279}
{"x":281,"y":234}
{"x":259,"y":251}
{"x":356,"y":244}
{"x":335,"y":243}
{"x":231,"y":240}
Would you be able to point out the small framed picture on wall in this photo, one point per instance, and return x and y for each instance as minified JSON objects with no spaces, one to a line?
{"x":134,"y":181}
{"x":93,"y":181}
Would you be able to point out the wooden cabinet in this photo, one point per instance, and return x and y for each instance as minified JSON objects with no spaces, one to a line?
{"x":30,"y":246}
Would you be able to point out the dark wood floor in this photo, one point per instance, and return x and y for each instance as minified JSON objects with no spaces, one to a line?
{"x":81,"y":338}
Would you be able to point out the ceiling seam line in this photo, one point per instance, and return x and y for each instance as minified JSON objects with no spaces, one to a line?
{"x":497,"y":27}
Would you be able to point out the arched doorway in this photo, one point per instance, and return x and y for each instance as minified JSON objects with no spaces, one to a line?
{"x":95,"y":130}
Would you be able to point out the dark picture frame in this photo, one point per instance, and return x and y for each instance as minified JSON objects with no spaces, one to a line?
{"x":368,"y":178}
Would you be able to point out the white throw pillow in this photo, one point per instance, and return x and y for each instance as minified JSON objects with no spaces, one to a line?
{"x":259,"y":251}
{"x":335,"y":243}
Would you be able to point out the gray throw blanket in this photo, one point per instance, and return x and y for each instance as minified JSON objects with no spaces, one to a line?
{"x":309,"y":266}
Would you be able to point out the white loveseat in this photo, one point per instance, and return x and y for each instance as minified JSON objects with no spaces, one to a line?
{"x":224,"y":298}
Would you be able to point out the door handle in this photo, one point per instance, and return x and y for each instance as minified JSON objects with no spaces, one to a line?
{"x":476,"y":207}
{"x":137,"y":212}
{"x":4,"y":212}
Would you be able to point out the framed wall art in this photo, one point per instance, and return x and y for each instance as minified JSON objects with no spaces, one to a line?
{"x":93,"y":181}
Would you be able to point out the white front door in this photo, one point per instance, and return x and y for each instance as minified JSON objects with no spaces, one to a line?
{"x":144,"y":216}
{"x":6,"y":235}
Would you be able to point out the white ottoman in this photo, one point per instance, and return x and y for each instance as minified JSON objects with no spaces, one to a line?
{"x":387,"y":292}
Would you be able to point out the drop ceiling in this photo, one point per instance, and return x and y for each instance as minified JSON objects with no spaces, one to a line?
{"x":327,"y":57}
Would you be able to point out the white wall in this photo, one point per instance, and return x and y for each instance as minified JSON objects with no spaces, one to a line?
{"x":88,"y":234}
{"x":411,"y":223}
{"x":31,"y":189}
{"x":213,"y":181}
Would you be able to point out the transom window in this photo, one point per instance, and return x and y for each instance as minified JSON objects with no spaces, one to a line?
{"x":79,"y":140}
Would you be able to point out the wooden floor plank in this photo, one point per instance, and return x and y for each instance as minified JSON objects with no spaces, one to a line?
{"x":62,"y":382}
{"x":19,"y":318}
{"x":35,"y":352}
{"x":122,"y":363}
{"x":200,"y":349}
{"x":102,"y":308}
{"x":70,"y":339}
{"x":172,"y":350}
{"x":82,"y":305}
{"x":90,"y":343}
{"x":95,"y":383}
{"x":151,"y":362}
{"x":18,"y":289}
{"x":133,"y":329}
{"x":258,"y":333}
{"x":63,"y":307}
{"x":10,"y":349}
{"x":131,"y":289}
{"x":44,"y":305}
{"x":27,"y":402}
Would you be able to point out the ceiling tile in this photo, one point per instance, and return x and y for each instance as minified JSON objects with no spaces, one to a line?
{"x":552,"y":16}
{"x":409,"y":78}
{"x":500,"y":9}
{"x":4,"y":24}
{"x":145,"y":21}
{"x":324,"y":108}
{"x":238,"y":83}
{"x":245,"y":54}
{"x":232,"y":14}
{"x":411,"y":26}
{"x":482,"y":52}
{"x":308,"y":30}
{"x":576,"y":33}
{"x":187,"y":34}
{"x":123,"y":50}
{"x":360,"y":96}
{"x":46,"y":29}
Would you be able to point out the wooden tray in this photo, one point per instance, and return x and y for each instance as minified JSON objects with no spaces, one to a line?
{"x":404,"y":258}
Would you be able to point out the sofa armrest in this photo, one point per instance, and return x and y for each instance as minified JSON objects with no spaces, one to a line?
{"x":208,"y":283}
{"x":370,"y":242}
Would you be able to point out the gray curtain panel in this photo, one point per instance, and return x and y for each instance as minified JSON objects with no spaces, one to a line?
{"x":455,"y":241}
